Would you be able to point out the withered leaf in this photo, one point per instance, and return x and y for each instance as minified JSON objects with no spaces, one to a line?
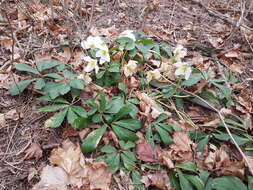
{"x":34,"y":151}
{"x":146,"y":153}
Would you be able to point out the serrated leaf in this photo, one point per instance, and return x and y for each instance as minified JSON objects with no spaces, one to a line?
{"x":132,"y":124}
{"x":136,"y":178}
{"x":53,"y":76}
{"x":188,"y":166}
{"x":128,"y":163}
{"x":108,"y":149}
{"x":150,"y":137}
{"x":113,"y":161}
{"x":228,"y":183}
{"x":71,"y":116}
{"x":80,"y":123}
{"x":39,"y":84}
{"x":102,"y":105}
{"x":79,"y":110}
{"x":52,"y":108}
{"x":56,"y":120}
{"x":202,"y":144}
{"x":57,"y":100}
{"x":194,"y":79}
{"x":27,"y":68}
{"x":124,"y":134}
{"x":114,"y":67}
{"x":126,"y":145}
{"x":161,"y":118}
{"x":184,"y":183}
{"x":77,"y":83}
{"x":196,"y":181}
{"x":43,"y":65}
{"x":92,"y":140}
{"x":165,"y":136}
{"x":55,"y":89}
{"x":115,"y":105}
{"x":173,"y":180}
{"x":18,"y":87}
{"x":124,"y":111}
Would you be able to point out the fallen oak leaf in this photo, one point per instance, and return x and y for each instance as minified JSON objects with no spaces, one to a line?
{"x":182,"y":149}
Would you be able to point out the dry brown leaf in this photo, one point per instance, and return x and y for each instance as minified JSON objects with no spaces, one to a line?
{"x":166,"y":159}
{"x":81,"y":171}
{"x":149,"y":106}
{"x":71,"y":159}
{"x":146,"y":153}
{"x":13,"y":115}
{"x":159,"y":179}
{"x":182,"y":147}
{"x":34,"y":151}
{"x":52,"y":178}
{"x":98,"y":177}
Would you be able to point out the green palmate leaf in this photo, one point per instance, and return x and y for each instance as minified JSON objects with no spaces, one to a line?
{"x":47,"y":98}
{"x":189,"y":166}
{"x":97,"y":118}
{"x":77,"y":83}
{"x":126,"y":145}
{"x":113,"y":161}
{"x":196,"y":181}
{"x":204,"y":175}
{"x":161,"y":118}
{"x":102,"y":102}
{"x":52,"y":108}
{"x":43,"y":65}
{"x":40,"y":83}
{"x":122,"y":87}
{"x":226,"y":92}
{"x":124,"y":40}
{"x":27,"y":68}
{"x":124,"y":134}
{"x":115,"y":105}
{"x":226,"y":137}
{"x":128,"y":161}
{"x":173,"y":180}
{"x":136,"y":178}
{"x":79,"y":111}
{"x":210,"y":96}
{"x":150,"y":137}
{"x":53,"y":76}
{"x":165,"y":136}
{"x":55,"y":89}
{"x":56,"y":120}
{"x":108,"y":149}
{"x":130,"y":46}
{"x":100,"y":74}
{"x":194,"y":79}
{"x":184,"y":183}
{"x":228,"y":183}
{"x":114,"y":67}
{"x":80,"y":123}
{"x":18,"y":87}
{"x":92,"y":140}
{"x":124,"y":111}
{"x":71,"y":116}
{"x":250,"y":182}
{"x":132,"y":124}
{"x":202,"y":144}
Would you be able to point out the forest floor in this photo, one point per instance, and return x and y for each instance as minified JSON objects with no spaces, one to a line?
{"x":217,"y":33}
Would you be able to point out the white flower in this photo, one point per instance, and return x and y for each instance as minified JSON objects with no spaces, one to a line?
{"x":92,"y":64}
{"x":153,"y":74}
{"x":179,"y":52}
{"x":130,"y":68}
{"x":184,"y":69}
{"x":128,"y":34}
{"x":104,"y":55}
{"x":93,"y":42}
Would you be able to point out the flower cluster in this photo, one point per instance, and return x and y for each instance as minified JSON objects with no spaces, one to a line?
{"x":182,"y":68}
{"x":102,"y":52}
